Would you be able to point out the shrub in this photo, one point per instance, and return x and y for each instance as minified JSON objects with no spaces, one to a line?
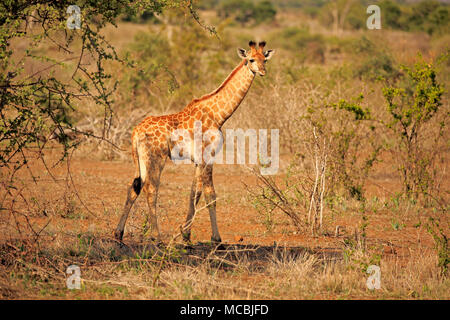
{"x":374,"y":63}
{"x":429,"y":16}
{"x":246,"y":11}
{"x":264,"y":11}
{"x":356,"y":19}
{"x":376,"y":67}
{"x":310,"y":47}
{"x":343,"y":14}
{"x":347,"y":126}
{"x":413,"y":106}
{"x":391,"y":14}
{"x":139,"y":16}
{"x":240,"y":10}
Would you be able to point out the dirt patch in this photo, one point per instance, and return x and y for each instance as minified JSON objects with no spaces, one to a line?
{"x":64,"y":226}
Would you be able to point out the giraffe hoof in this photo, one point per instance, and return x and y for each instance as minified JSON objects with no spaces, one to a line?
{"x":189,"y":245}
{"x":157,"y":242}
{"x":187,"y":237}
{"x":118,"y":235}
{"x":216,"y":241}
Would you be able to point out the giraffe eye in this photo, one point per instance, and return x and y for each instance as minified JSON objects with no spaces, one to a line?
{"x":252,"y":60}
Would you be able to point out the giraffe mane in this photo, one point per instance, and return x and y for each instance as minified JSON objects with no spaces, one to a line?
{"x":209,"y":95}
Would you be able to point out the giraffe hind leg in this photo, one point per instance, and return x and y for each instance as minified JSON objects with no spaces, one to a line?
{"x":133,"y":192}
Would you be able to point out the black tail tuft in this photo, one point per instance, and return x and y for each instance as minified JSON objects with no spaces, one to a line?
{"x":137,"y":185}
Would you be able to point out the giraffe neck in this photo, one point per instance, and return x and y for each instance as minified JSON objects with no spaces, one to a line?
{"x":233,"y":91}
{"x":221,"y":103}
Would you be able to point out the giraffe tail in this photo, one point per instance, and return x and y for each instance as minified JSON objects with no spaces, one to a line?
{"x":140,"y":174}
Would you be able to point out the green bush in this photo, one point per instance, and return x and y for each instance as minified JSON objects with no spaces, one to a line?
{"x":264,"y":11}
{"x":308,"y":47}
{"x":391,"y":14}
{"x":153,"y":53}
{"x":207,"y":4}
{"x":373,"y":63}
{"x":378,"y":66}
{"x":350,"y":15}
{"x":139,"y":16}
{"x":429,"y":16}
{"x":167,"y":71}
{"x":413,"y":106}
{"x":356,"y":17}
{"x":363,"y":46}
{"x":240,"y":10}
{"x":246,"y":11}
{"x":348,"y":126}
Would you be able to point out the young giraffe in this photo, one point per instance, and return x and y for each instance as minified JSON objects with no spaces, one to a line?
{"x":151,"y":141}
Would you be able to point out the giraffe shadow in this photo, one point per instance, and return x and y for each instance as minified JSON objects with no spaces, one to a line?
{"x":252,"y":257}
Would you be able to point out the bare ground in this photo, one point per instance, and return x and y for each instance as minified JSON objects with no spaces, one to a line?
{"x":74,"y":225}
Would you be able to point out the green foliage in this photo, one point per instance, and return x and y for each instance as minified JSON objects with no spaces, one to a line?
{"x":364,"y":46}
{"x":153,"y":53}
{"x":305,"y":4}
{"x":435,"y":229}
{"x":378,"y":66}
{"x":271,"y":198}
{"x":349,"y":126}
{"x":396,"y":225}
{"x":343,"y":15}
{"x":297,"y":38}
{"x":241,"y":11}
{"x":139,"y":17}
{"x":391,"y":14}
{"x":308,"y":47}
{"x":33,"y":106}
{"x":246,"y":11}
{"x":40,"y":106}
{"x":207,"y":4}
{"x":353,"y":108}
{"x":264,"y":11}
{"x":373,"y":63}
{"x":356,"y":19}
{"x":168,"y":72}
{"x":411,"y":105}
{"x":429,"y":16}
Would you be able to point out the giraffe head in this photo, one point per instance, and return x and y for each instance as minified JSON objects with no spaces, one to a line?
{"x":256,"y":57}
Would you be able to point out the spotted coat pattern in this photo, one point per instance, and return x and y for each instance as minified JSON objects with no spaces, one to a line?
{"x":152,"y":143}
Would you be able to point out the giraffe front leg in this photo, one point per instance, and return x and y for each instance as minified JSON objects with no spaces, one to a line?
{"x":210,"y":199}
{"x":196,"y":192}
{"x":151,"y":188}
{"x":151,"y":219}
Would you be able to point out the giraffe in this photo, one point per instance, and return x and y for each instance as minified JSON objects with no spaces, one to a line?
{"x":152,"y":144}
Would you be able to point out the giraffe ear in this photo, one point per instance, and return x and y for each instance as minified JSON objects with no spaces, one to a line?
{"x":268,"y":54}
{"x":242,"y":53}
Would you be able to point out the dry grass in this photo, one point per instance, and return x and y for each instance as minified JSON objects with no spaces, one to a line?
{"x":305,"y":277}
{"x":34,"y":266}
{"x":47,"y":225}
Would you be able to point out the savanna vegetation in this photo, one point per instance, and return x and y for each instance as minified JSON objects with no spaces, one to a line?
{"x":364,"y":140}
